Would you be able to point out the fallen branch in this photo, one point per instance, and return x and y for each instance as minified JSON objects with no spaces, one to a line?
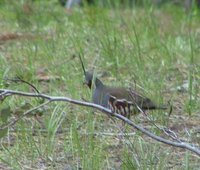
{"x":5,"y":93}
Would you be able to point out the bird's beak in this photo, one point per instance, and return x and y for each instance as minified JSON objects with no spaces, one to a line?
{"x":84,"y":83}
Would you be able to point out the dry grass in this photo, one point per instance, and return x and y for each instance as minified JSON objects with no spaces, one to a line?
{"x":151,"y":47}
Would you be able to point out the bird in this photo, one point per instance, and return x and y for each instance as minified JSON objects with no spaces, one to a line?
{"x":122,"y":100}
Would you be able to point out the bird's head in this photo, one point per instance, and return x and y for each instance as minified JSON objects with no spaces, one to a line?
{"x":88,"y":79}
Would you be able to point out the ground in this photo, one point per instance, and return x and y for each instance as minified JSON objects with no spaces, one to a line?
{"x":152,"y":49}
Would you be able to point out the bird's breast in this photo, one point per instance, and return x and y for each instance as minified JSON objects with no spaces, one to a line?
{"x":100,"y":97}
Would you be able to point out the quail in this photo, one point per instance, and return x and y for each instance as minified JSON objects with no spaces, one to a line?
{"x":118,"y":99}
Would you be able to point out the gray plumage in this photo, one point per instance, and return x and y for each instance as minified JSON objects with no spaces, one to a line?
{"x":121,"y":100}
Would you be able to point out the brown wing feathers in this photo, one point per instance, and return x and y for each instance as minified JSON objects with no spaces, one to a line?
{"x":120,"y":100}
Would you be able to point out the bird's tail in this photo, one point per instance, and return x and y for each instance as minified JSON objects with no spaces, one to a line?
{"x":165,"y":107}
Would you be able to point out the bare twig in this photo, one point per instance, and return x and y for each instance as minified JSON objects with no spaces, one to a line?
{"x":166,"y":130}
{"x":18,"y":79}
{"x":5,"y":93}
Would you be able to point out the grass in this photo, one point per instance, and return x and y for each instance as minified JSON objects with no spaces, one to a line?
{"x":156,"y":48}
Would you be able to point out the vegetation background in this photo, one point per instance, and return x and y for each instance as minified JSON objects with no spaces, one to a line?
{"x":154,"y":49}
